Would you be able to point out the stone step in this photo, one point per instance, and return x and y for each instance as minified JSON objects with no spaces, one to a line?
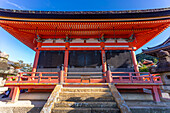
{"x":86,"y":104}
{"x":87,"y":99}
{"x":78,"y":89}
{"x":85,"y":110}
{"x":85,"y":94}
{"x":3,"y":88}
{"x":34,"y":96}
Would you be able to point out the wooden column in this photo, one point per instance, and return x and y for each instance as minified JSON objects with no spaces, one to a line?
{"x":11,"y":93}
{"x":103,"y":56}
{"x":15,"y":95}
{"x":61,"y":76}
{"x":34,"y":69}
{"x":109,"y":78}
{"x":36,"y":59}
{"x":66,"y":57}
{"x":134,"y":62}
{"x":155,"y":93}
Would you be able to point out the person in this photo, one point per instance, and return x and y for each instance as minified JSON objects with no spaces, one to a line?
{"x":6,"y":93}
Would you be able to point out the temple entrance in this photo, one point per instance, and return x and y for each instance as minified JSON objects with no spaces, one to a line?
{"x":50,"y":61}
{"x":119,"y":60}
{"x":84,"y":61}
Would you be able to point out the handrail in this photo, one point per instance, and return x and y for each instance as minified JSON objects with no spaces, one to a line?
{"x":38,"y":73}
{"x":130,"y":72}
{"x":80,"y":77}
{"x":37,"y":77}
{"x":25,"y":78}
{"x":89,"y":73}
{"x":142,"y":78}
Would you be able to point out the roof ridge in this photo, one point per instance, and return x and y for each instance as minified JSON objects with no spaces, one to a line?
{"x":85,"y":12}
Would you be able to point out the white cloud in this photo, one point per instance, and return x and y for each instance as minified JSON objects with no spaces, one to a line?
{"x":13,"y":4}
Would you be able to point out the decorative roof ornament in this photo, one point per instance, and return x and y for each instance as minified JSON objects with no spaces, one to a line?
{"x":39,"y":39}
{"x":131,"y":38}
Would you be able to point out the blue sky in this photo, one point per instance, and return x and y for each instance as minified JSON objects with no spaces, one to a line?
{"x":19,"y":51}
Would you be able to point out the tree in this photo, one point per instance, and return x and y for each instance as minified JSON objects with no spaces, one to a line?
{"x":141,"y":56}
{"x":25,"y":67}
{"x":155,"y":61}
{"x":144,"y":68}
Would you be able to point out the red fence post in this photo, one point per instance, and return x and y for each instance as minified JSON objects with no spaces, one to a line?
{"x":20,"y":77}
{"x":61,"y":76}
{"x":155,"y":93}
{"x":109,"y":78}
{"x":15,"y":95}
{"x":40,"y":77}
{"x":11,"y":93}
{"x":130,"y":77}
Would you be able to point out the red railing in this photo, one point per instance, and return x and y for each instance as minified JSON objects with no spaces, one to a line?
{"x":37,"y":77}
{"x":131,"y":78}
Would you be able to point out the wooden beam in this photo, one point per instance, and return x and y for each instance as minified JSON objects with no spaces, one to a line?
{"x":83,"y":30}
{"x":85,"y":44}
{"x":83,"y":48}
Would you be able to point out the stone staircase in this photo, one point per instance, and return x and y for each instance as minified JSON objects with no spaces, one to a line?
{"x":2,"y":88}
{"x":85,"y":100}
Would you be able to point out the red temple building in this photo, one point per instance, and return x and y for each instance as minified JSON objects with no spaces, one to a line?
{"x":85,"y":42}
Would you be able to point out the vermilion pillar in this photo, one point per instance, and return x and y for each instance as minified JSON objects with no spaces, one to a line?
{"x":36,"y":59}
{"x":15,"y":95}
{"x":103,"y":56}
{"x":66,"y":62}
{"x":134,"y":61}
{"x":103,"y":61}
{"x":66,"y":57}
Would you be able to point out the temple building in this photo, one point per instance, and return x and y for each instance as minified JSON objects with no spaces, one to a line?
{"x":85,"y":48}
{"x":162,"y":51}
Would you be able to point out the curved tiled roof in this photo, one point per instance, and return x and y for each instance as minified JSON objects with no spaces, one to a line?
{"x":144,"y":24}
{"x":85,"y":14}
{"x":164,"y":46}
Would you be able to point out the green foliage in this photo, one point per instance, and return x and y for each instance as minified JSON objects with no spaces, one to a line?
{"x":141,"y":56}
{"x":144,"y":69}
{"x":155,"y":60}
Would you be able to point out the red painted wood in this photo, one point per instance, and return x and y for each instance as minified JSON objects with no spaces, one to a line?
{"x":11,"y":93}
{"x":109,"y":78}
{"x":135,"y":62}
{"x":79,"y":81}
{"x":82,"y":48}
{"x":86,"y":36}
{"x":155,"y":94}
{"x":15,"y":95}
{"x":25,"y":31}
{"x":35,"y":62}
{"x":66,"y":57}
{"x":54,"y":79}
{"x":61,"y":77}
{"x":124,"y":86}
{"x":159,"y":91}
{"x":103,"y":56}
{"x":84,"y":44}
